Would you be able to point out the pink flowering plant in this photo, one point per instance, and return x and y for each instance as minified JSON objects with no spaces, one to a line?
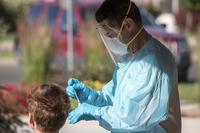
{"x":12,"y":104}
{"x":12,"y":99}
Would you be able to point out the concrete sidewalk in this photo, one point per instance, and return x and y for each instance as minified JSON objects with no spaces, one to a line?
{"x":189,"y":109}
{"x":10,"y":71}
{"x":6,"y":46}
{"x":189,"y":125}
{"x":83,"y":127}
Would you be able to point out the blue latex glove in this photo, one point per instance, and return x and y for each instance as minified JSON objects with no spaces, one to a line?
{"x":77,"y":88}
{"x":83,"y":112}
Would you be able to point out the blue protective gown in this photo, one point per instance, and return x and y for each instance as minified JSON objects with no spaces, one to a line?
{"x":137,"y":98}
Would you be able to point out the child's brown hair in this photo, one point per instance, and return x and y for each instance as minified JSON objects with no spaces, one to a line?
{"x":49,"y":105}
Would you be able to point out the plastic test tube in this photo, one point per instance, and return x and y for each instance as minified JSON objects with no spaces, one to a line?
{"x":79,"y":103}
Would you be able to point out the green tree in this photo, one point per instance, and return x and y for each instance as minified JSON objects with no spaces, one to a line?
{"x":7,"y":16}
{"x":192,"y":4}
{"x":10,"y":11}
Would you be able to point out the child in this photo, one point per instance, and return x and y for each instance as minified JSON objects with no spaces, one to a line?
{"x":48,"y":108}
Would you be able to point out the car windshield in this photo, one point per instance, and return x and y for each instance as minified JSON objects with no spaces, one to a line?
{"x":35,"y":11}
{"x":64,"y":23}
{"x":52,"y":14}
{"x":147,"y":18}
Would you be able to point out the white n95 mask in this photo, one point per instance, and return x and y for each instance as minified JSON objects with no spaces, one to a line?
{"x":117,"y":47}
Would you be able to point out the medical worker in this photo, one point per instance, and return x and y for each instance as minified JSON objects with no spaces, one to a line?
{"x":142,"y":96}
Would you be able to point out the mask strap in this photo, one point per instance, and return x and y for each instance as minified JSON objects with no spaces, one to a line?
{"x":129,"y":8}
{"x":135,"y":36}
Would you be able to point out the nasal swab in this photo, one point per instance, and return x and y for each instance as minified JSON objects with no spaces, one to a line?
{"x":79,"y":103}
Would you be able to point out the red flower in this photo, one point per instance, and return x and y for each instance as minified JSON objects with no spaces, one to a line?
{"x":10,"y":87}
{"x":13,"y":99}
{"x":24,"y":101}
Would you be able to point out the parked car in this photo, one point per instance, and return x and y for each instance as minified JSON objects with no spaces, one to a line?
{"x":55,"y":16}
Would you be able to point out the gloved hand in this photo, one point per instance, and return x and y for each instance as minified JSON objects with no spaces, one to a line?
{"x":83,"y":112}
{"x":75,"y":87}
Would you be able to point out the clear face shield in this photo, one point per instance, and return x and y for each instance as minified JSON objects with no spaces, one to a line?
{"x":116,"y":49}
{"x":111,"y":39}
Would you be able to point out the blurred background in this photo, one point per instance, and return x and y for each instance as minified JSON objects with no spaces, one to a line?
{"x":45,"y":41}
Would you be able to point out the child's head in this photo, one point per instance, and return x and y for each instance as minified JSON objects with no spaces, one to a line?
{"x":48,"y":108}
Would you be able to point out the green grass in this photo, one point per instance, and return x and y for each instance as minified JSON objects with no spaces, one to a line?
{"x":190,"y":92}
{"x":7,"y":37}
{"x":7,"y":55}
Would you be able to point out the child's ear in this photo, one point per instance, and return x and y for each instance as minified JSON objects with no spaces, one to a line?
{"x":31,"y":121}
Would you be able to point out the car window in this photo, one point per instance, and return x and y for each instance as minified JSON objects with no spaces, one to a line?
{"x":35,"y":11}
{"x":52,"y":14}
{"x":64,"y":24}
{"x":147,"y":18}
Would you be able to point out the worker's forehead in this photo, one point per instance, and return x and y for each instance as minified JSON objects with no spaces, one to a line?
{"x":106,"y":27}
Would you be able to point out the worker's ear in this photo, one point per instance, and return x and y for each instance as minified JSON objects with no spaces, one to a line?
{"x":129,"y":25}
{"x":31,"y":121}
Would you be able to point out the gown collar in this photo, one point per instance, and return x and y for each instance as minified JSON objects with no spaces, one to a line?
{"x":127,"y":58}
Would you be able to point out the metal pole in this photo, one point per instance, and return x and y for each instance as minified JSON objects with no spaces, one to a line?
{"x":70,"y":46}
{"x":175,"y":6}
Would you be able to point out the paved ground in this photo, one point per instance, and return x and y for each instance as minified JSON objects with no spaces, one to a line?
{"x":85,"y":127}
{"x":10,"y":71}
{"x":190,"y":125}
{"x":6,"y":46}
{"x":81,"y":127}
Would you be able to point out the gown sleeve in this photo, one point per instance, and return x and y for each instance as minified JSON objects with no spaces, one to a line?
{"x":102,"y":98}
{"x":142,"y":104}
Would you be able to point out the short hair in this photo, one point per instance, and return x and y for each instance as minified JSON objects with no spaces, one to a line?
{"x":49,"y":106}
{"x":114,"y":11}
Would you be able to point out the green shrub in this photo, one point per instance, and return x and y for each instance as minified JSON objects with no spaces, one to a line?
{"x":10,"y":12}
{"x":190,"y":92}
{"x":97,"y":63}
{"x":37,"y":46}
{"x":12,"y":104}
